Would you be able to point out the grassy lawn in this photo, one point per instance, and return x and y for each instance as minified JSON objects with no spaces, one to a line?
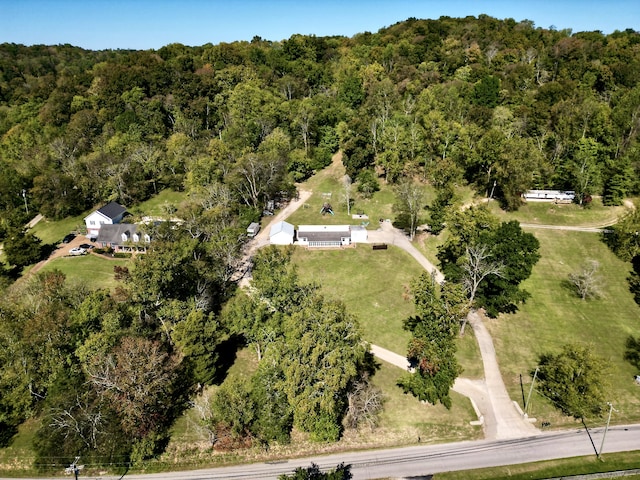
{"x":543,"y":213}
{"x":551,"y":469}
{"x":91,"y":269}
{"x":554,"y":315}
{"x":51,"y":232}
{"x":157,"y":205}
{"x":373,"y":284}
{"x":377,"y":207}
{"x":407,"y":416}
{"x":327,"y":186}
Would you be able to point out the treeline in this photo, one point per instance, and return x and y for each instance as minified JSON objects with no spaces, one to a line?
{"x":492,"y":102}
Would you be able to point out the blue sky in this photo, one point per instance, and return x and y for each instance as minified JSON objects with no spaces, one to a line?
{"x":144,"y":24}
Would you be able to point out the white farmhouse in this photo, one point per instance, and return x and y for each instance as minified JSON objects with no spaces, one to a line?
{"x":110,"y":214}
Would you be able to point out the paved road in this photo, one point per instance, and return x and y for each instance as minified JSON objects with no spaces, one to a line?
{"x":428,"y":459}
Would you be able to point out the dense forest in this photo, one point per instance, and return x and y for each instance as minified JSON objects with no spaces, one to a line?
{"x":500,"y":105}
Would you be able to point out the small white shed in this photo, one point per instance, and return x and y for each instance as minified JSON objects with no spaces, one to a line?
{"x":358,"y":234}
{"x":281,"y":233}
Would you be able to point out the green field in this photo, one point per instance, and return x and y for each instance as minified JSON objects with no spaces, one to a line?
{"x":554,"y":315}
{"x":159,"y":204}
{"x":92,"y":270}
{"x":51,"y":232}
{"x":373,"y":284}
{"x":543,"y":213}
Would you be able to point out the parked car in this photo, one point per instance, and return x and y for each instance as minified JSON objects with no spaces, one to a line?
{"x":77,"y":251}
{"x":68,"y":238}
{"x":86,"y":246}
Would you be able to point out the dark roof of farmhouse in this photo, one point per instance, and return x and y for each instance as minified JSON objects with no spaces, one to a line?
{"x":112,"y":210}
{"x":112,"y":234}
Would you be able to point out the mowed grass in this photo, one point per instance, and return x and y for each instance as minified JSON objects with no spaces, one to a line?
{"x":543,"y":213}
{"x":92,"y":270}
{"x":554,"y":316}
{"x":51,"y":232}
{"x":159,"y":204}
{"x":328,"y":187}
{"x":374,"y":285}
{"x":404,"y":414}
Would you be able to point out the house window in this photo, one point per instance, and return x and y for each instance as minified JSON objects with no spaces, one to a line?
{"x":92,"y":222}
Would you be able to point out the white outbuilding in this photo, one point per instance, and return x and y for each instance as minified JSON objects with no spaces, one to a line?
{"x":281,"y":233}
{"x":358,"y":234}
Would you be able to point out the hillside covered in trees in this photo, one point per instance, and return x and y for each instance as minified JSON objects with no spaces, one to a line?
{"x":496,"y":104}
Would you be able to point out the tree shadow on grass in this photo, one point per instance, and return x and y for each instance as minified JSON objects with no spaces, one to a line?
{"x":7,"y":434}
{"x":227,"y":354}
{"x":632,"y":354}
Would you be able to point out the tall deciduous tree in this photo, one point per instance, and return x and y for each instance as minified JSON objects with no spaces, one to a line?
{"x":141,"y":382}
{"x":586,"y":168}
{"x":432,"y":347}
{"x":409,"y":205}
{"x":574,"y":380}
{"x":322,"y":356}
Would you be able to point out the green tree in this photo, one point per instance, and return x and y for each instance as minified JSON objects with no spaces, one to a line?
{"x":198,"y":336}
{"x":341,"y":472}
{"x":22,"y":248}
{"x":487,"y":91}
{"x":232,"y":413}
{"x":323,"y":354}
{"x":439,"y":209}
{"x":409,"y":205}
{"x":518,"y":252}
{"x":141,"y":382}
{"x":574,"y":380}
{"x":432,"y":347}
{"x":476,"y":230}
{"x":273,"y":413}
{"x":623,"y":238}
{"x":586,"y":168}
{"x":632,"y":353}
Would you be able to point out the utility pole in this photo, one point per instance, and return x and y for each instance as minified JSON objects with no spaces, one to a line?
{"x":526,"y":405}
{"x":606,"y":428}
{"x":74,"y":468}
